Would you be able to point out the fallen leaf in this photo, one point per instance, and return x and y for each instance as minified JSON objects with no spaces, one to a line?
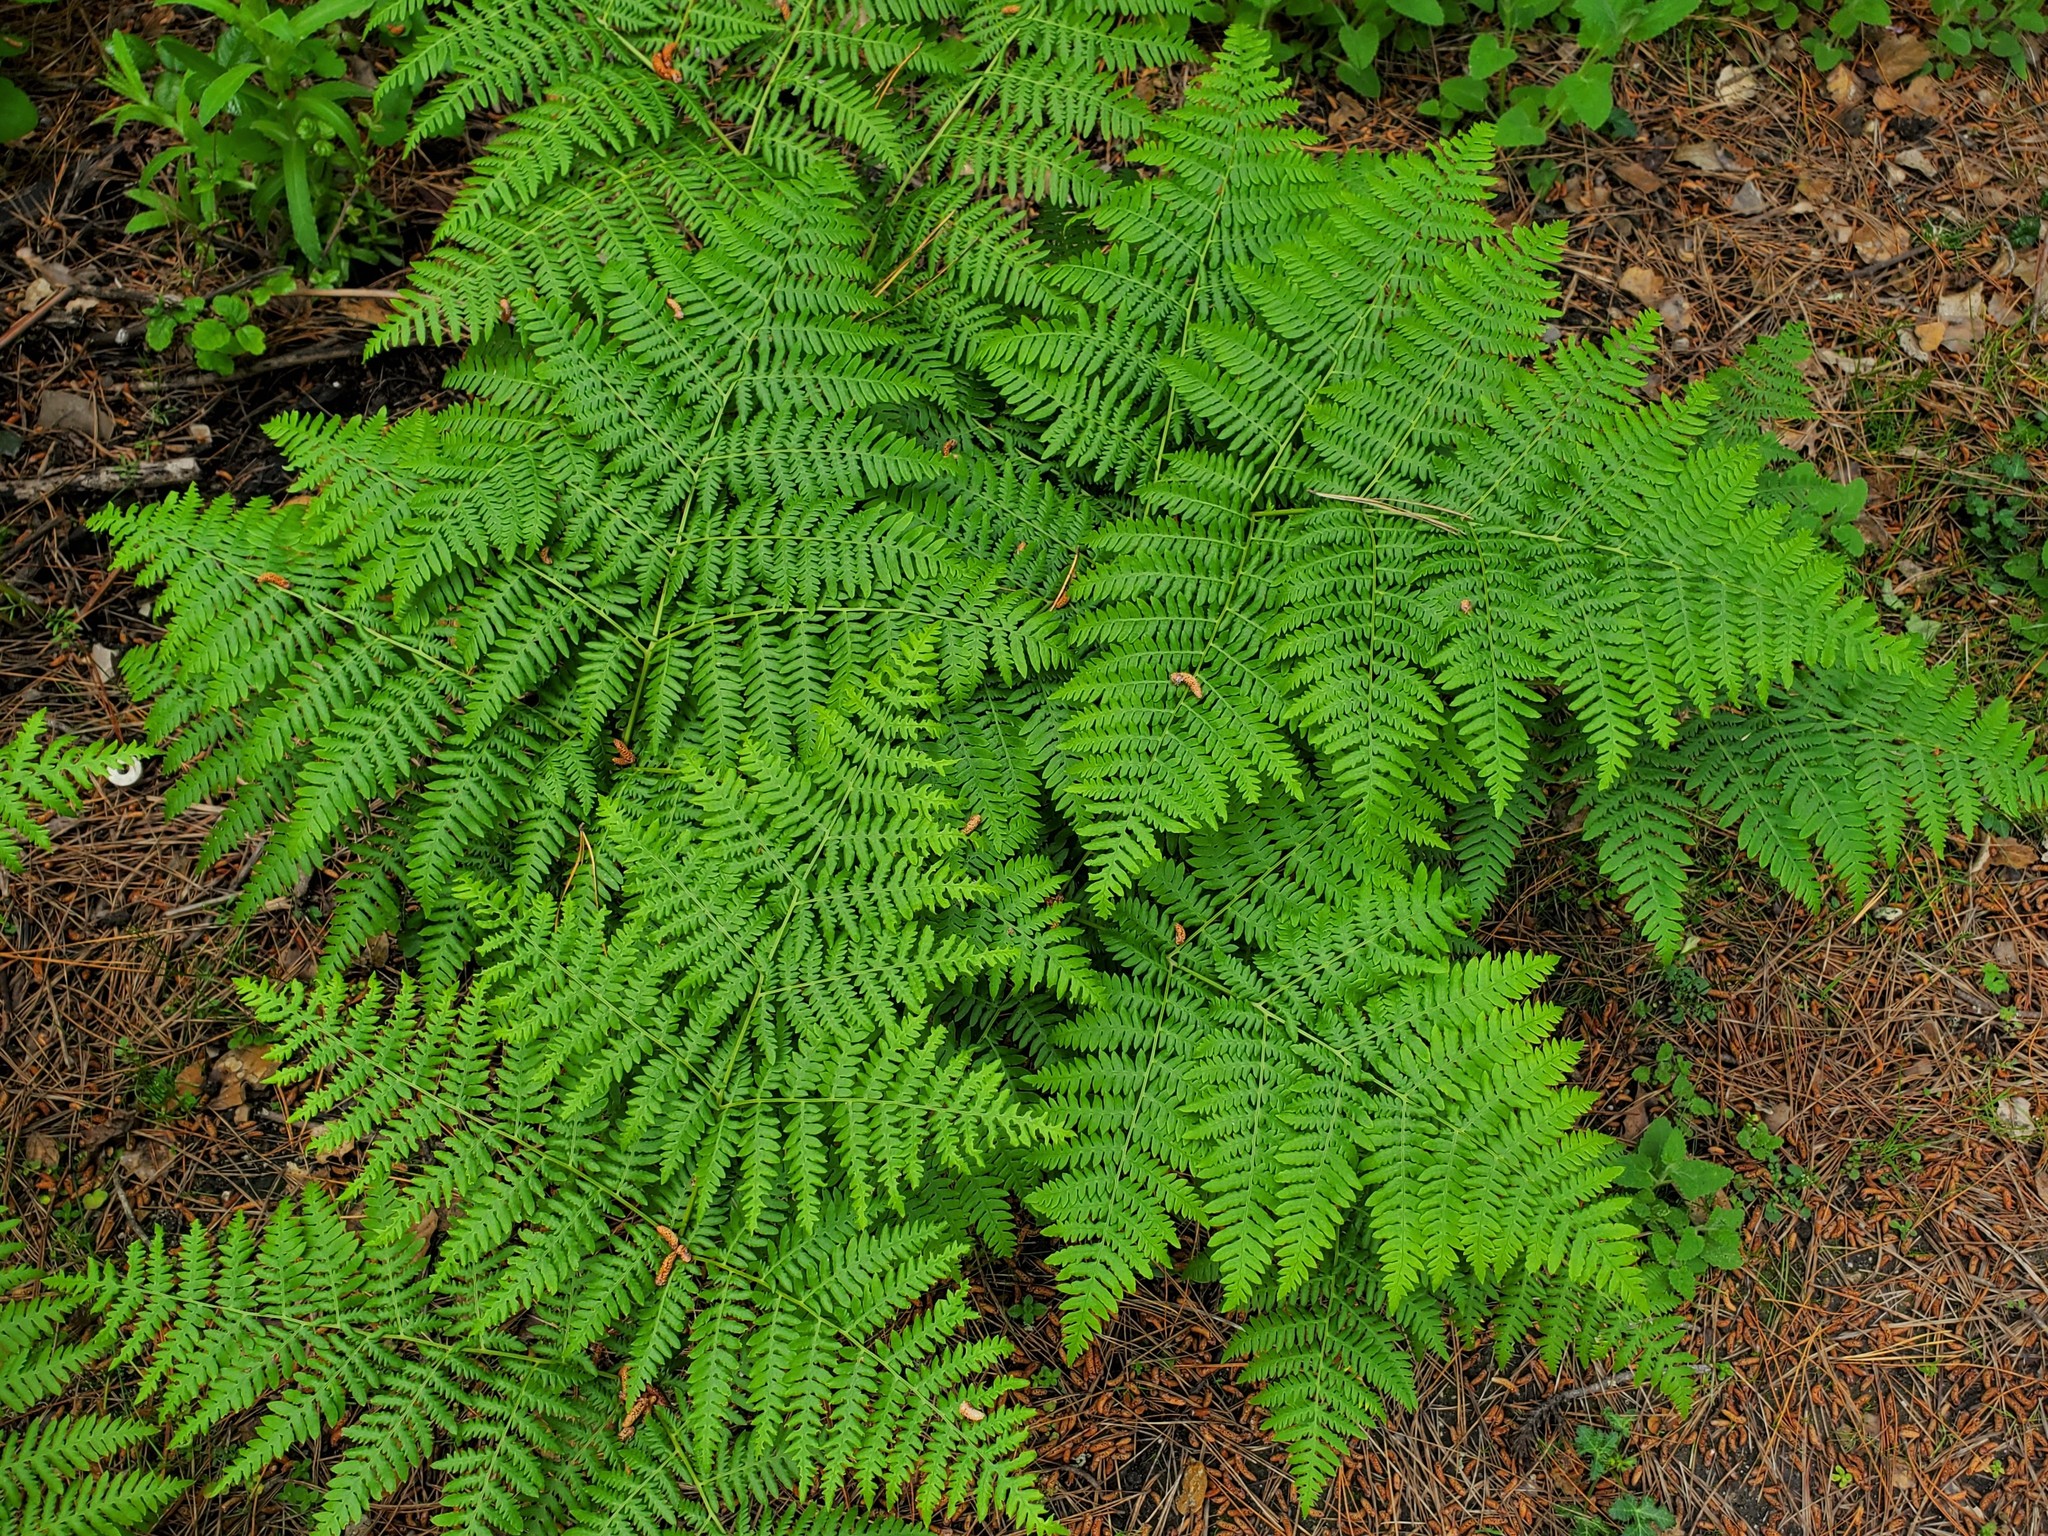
{"x":1675,"y":313}
{"x":1898,"y":1476}
{"x":1849,"y":367}
{"x":1777,"y":1117}
{"x":1967,"y":316}
{"x":1898,"y":57}
{"x":2013,"y":1115}
{"x":98,"y":1133}
{"x":41,"y":1149}
{"x":1583,"y":193}
{"x":1923,"y":339}
{"x":1923,"y":95}
{"x":233,"y":1095}
{"x":1885,"y":99}
{"x":103,"y":663}
{"x":1194,"y":1489}
{"x":970,"y":1413}
{"x":1641,"y":283}
{"x":248,"y":1064}
{"x":1972,"y":174}
{"x":146,"y":1161}
{"x":1883,"y":242}
{"x":1736,"y":85}
{"x":63,"y":411}
{"x":1187,"y":680}
{"x":1748,"y":199}
{"x":1840,"y":230}
{"x":1707,"y":157}
{"x":1919,"y":162}
{"x":369,"y":311}
{"x":2014,"y":853}
{"x":1638,"y":175}
{"x":425,"y":1228}
{"x":1816,"y":188}
{"x":2002,"y":309}
{"x":1635,"y":1121}
{"x":1844,"y":85}
{"x":191,"y":1079}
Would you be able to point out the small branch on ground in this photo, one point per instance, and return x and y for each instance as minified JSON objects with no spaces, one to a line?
{"x":113,"y":477}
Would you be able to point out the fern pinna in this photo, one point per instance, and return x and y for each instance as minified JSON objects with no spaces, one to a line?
{"x":892,"y":748}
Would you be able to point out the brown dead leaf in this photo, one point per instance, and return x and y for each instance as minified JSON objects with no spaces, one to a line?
{"x":1838,"y":225}
{"x":1972,"y":174}
{"x":2013,"y":853}
{"x":369,"y":311}
{"x":1582,"y":194}
{"x":1816,"y":188}
{"x":1847,"y":366}
{"x":2013,"y":1115}
{"x":1748,"y":199}
{"x":247,"y":1064}
{"x":1923,"y":339}
{"x":1635,"y":1120}
{"x":1923,"y":95}
{"x":1845,"y":87}
{"x":1736,"y":85}
{"x":1194,"y":1489}
{"x":1898,"y":57}
{"x":1883,"y":242}
{"x":191,"y":1079}
{"x":64,"y":410}
{"x":425,"y":1228}
{"x":98,"y":1133}
{"x":234,"y":1093}
{"x":1638,"y":175}
{"x":41,"y":1150}
{"x":1885,"y":99}
{"x":1919,"y":161}
{"x":146,"y":1161}
{"x":2003,"y":309}
{"x":1675,"y":313}
{"x":1643,"y":284}
{"x":1967,"y":317}
{"x":2041,"y":1178}
{"x":1898,"y":1476}
{"x":1706,"y":157}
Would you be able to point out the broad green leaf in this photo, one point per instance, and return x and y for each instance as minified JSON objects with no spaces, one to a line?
{"x":1586,"y":95}
{"x":1488,"y":56}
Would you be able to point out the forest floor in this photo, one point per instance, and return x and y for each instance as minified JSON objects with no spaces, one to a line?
{"x":1881,"y":1363}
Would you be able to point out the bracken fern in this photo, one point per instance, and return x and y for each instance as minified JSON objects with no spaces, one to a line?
{"x":867,"y":728}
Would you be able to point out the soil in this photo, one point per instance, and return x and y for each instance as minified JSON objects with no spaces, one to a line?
{"x":1881,"y":1364}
